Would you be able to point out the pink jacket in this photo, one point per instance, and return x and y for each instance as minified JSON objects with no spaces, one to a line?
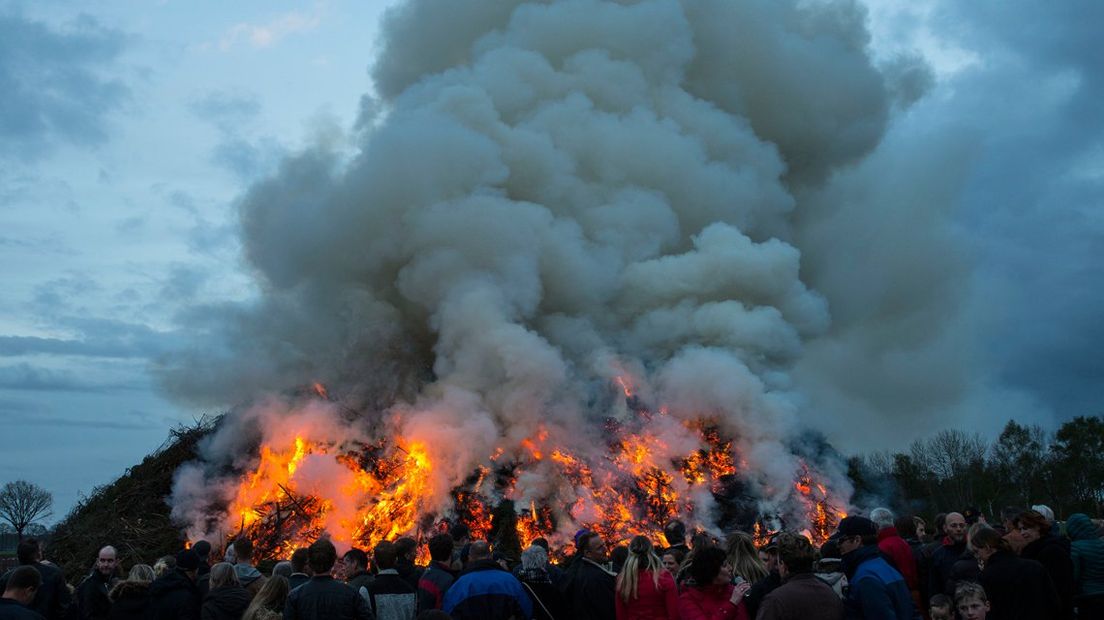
{"x":651,"y":603}
{"x":713,"y":602}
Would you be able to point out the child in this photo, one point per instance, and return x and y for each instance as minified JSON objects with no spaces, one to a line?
{"x":971,"y":602}
{"x":940,"y":607}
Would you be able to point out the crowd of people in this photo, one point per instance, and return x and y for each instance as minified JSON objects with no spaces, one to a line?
{"x":1019,"y":564}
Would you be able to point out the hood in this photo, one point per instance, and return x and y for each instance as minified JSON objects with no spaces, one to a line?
{"x":174,"y":580}
{"x":1080,"y":527}
{"x":232,"y":599}
{"x":830,"y":578}
{"x":246,"y":574}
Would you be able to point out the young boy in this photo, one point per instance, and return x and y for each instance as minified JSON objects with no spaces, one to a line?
{"x":940,"y":607}
{"x":971,"y":601}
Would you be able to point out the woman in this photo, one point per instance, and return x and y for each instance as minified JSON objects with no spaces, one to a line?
{"x":226,"y":600}
{"x":714,"y":597}
{"x":535,"y":577}
{"x":700,"y":542}
{"x":164,"y":565}
{"x":269,"y":602}
{"x":672,"y":560}
{"x":644,"y":590}
{"x":744,"y":558}
{"x":1087,"y":553}
{"x":1017,"y":588}
{"x":1047,"y":549}
{"x":130,"y":598}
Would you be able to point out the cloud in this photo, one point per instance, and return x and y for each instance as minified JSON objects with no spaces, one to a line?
{"x":96,"y":337}
{"x":259,"y":36}
{"x":53,"y":83}
{"x":226,"y":111}
{"x":34,"y":378}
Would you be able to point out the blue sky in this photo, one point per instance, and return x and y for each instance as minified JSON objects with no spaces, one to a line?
{"x":129,"y":129}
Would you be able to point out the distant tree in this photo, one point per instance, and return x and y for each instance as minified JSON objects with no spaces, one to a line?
{"x":1020,"y":456}
{"x":22,"y":503}
{"x":957,"y":462}
{"x":1078,"y":463}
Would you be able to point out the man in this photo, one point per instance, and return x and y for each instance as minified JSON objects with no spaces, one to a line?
{"x":407,"y":550}
{"x":590,"y":590}
{"x":896,"y":549}
{"x":389,"y":595}
{"x":768,"y":554}
{"x":174,"y":595}
{"x":461,"y":539}
{"x":202,"y":549}
{"x":951,"y":550}
{"x":438,"y":576}
{"x":250,"y":578}
{"x":300,"y":570}
{"x":53,"y":597}
{"x":92,"y":599}
{"x":675,"y":535}
{"x":877,"y":590}
{"x":324,"y":598}
{"x":485,"y":591}
{"x":20,"y":591}
{"x":356,"y":570}
{"x":801,"y":596}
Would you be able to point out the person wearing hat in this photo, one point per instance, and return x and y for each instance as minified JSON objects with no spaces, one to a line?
{"x":174,"y":595}
{"x":876,"y":590}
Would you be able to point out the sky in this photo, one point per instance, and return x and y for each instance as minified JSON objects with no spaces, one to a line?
{"x":129,"y":131}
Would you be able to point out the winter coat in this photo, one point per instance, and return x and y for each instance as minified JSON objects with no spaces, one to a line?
{"x":1054,"y":554}
{"x":52,"y":598}
{"x":226,"y":603}
{"x":941,"y":567}
{"x":391,"y":597}
{"x":876,"y":589}
{"x":711,"y":602}
{"x":1086,"y":553}
{"x":409,"y":571}
{"x":548,"y":601}
{"x":802,"y":597}
{"x":130,"y":600}
{"x":433,"y":584}
{"x":358,"y":580}
{"x":1018,"y":589}
{"x":590,"y":591}
{"x":485,"y":591}
{"x":249,"y":577}
{"x":759,"y":591}
{"x":173,"y":596}
{"x":11,"y":609}
{"x":296,"y":580}
{"x":900,"y":555}
{"x":92,"y":601}
{"x":325,"y":598}
{"x":653,"y":601}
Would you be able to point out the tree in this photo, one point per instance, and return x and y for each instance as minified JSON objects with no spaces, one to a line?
{"x":1020,"y":458}
{"x":22,"y":503}
{"x":1078,"y":461}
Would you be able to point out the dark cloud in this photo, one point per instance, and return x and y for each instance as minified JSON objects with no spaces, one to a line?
{"x":54,"y":89}
{"x":96,"y":337}
{"x":24,"y":376}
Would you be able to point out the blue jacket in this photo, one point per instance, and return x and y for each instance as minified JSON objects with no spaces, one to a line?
{"x":876,"y":590}
{"x":485,"y":591}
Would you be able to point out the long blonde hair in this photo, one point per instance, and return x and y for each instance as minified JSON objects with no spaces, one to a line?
{"x":743,"y":557}
{"x":269,"y":599}
{"x":641,"y":557}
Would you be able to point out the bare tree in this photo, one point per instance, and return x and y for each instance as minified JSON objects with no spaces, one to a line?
{"x":22,"y":503}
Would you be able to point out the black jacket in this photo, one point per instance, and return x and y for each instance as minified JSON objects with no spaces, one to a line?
{"x":409,"y":571}
{"x":759,"y":591}
{"x":52,"y":598}
{"x":1053,"y":553}
{"x":130,"y":600}
{"x":324,"y":598}
{"x":296,"y":580}
{"x":590,"y":592}
{"x":11,"y":609}
{"x":174,"y":596}
{"x":225,"y":603}
{"x":1018,"y":589}
{"x":92,"y":598}
{"x":941,"y":569}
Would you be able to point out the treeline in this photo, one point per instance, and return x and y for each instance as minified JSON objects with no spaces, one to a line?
{"x":1025,"y":465}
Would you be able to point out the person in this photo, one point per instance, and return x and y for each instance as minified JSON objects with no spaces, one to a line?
{"x":227,"y":599}
{"x":672,"y":560}
{"x":1053,"y":553}
{"x":324,"y":598}
{"x":438,"y":576}
{"x":269,"y":602}
{"x":801,"y":596}
{"x":951,"y":549}
{"x":921,"y":528}
{"x":389,"y":595}
{"x":174,"y":595}
{"x":52,"y":599}
{"x":130,"y":599}
{"x":461,"y":538}
{"x":484,"y":590}
{"x":356,"y":570}
{"x":1018,"y":588}
{"x":554,"y":572}
{"x":281,"y":569}
{"x":829,"y":568}
{"x":970,"y":599}
{"x":300,"y":569}
{"x":590,"y":589}
{"x":202,"y":549}
{"x":407,"y":550}
{"x":1087,"y":555}
{"x":941,"y":607}
{"x":617,"y":558}
{"x":713,"y":596}
{"x":1008,"y":517}
{"x":768,"y":555}
{"x":876,"y":589}
{"x":896,"y":549}
{"x":248,"y":576}
{"x":92,"y":600}
{"x":536,"y":579}
{"x":163,"y":565}
{"x":743,"y":557}
{"x":674,"y":532}
{"x":698,"y":543}
{"x":19,"y":592}
{"x":644,"y":589}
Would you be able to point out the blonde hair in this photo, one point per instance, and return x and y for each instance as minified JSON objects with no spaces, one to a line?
{"x":641,"y":557}
{"x":269,"y":599}
{"x":222,"y":574}
{"x":743,"y":557}
{"x":140,"y":572}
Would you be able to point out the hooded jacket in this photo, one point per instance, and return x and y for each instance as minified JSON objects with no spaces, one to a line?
{"x":174,"y":596}
{"x":1087,"y":554}
{"x":130,"y":600}
{"x":225,"y":603}
{"x":249,"y":577}
{"x":876,"y":589}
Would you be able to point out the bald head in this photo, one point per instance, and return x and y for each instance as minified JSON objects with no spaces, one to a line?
{"x":955,"y":527}
{"x":480,"y":550}
{"x":105,"y":561}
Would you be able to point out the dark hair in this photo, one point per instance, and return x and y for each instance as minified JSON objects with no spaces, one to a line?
{"x":619,"y":554}
{"x":541,"y":542}
{"x":27,"y":551}
{"x":906,"y":526}
{"x":796,"y":552}
{"x":988,"y":538}
{"x":940,"y":521}
{"x":243,"y":549}
{"x":675,"y":533}
{"x":385,"y":554}
{"x":941,"y":601}
{"x":706,"y":565}
{"x":679,"y":554}
{"x":440,"y":548}
{"x":460,"y":531}
{"x":321,"y":556}
{"x":358,"y":557}
{"x":405,"y":546}
{"x":479,"y":550}
{"x":299,"y":559}
{"x":1009,"y":514}
{"x":24,"y":577}
{"x":830,"y":550}
{"x":1034,"y":520}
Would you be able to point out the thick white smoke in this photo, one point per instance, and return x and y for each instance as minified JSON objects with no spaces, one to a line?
{"x":546,"y":195}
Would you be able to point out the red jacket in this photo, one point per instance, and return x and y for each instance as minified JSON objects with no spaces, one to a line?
{"x":651,"y":603}
{"x":713,"y":602}
{"x":900,"y":555}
